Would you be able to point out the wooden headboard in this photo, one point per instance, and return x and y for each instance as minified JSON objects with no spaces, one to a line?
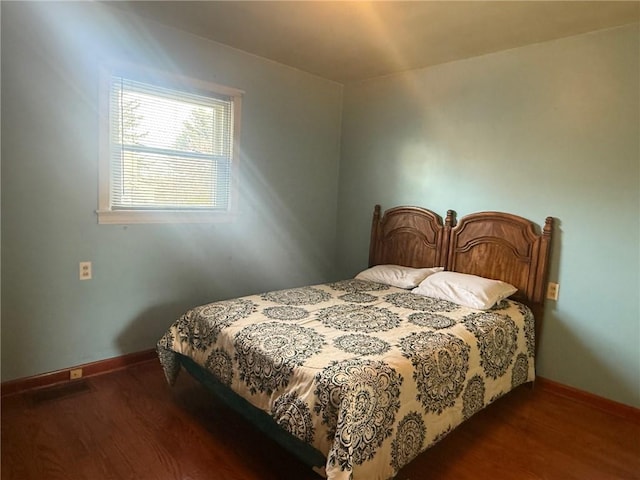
{"x":409,"y":236}
{"x":493,"y":245}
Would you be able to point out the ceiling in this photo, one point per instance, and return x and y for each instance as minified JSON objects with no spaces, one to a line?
{"x":354,"y":40}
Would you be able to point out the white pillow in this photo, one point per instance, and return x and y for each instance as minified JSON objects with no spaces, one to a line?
{"x":466,"y":290}
{"x":397,"y":275}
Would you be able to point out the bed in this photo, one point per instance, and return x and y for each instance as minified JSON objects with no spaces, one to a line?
{"x":357,"y":377}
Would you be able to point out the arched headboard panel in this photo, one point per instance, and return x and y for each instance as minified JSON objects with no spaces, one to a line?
{"x":504,"y":247}
{"x":409,"y":236}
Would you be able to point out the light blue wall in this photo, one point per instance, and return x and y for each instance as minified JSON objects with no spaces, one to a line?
{"x":549,"y":129}
{"x":145,"y":275}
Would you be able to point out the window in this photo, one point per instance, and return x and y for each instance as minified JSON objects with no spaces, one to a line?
{"x":168,"y":148}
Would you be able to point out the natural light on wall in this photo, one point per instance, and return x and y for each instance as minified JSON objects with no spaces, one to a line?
{"x":168,"y":149}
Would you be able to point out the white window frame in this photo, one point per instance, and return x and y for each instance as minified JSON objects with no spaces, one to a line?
{"x":107,"y":214}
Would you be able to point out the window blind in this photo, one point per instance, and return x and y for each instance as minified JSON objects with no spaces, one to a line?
{"x":170,"y":149}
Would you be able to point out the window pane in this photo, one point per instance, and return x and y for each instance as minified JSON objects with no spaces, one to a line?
{"x":170,"y":149}
{"x":147,"y":180}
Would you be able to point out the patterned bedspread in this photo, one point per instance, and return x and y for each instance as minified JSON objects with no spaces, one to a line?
{"x":368,"y":374}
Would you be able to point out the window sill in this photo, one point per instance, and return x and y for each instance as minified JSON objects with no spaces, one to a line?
{"x":127,"y":217}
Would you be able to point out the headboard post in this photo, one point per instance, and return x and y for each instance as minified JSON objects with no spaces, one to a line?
{"x":375,"y":234}
{"x":449,"y":223}
{"x":541,"y":274}
{"x":544,"y":252}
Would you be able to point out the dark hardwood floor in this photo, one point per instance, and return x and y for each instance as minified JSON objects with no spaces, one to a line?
{"x":131,"y":425}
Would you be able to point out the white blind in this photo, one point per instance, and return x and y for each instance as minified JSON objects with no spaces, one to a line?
{"x":170,"y":149}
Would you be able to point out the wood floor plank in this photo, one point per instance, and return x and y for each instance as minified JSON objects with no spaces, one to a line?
{"x":130,"y":424}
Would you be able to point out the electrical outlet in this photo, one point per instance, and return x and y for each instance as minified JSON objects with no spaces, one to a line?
{"x":553,"y":289}
{"x":75,"y":373}
{"x":85,"y":271}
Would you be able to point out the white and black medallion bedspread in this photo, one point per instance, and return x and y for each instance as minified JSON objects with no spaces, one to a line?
{"x":368,"y":374}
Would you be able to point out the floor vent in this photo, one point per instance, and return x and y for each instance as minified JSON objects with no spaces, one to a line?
{"x":59,"y":391}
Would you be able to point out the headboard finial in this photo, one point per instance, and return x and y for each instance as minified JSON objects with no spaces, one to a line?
{"x":548,"y":226}
{"x":448,"y":221}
